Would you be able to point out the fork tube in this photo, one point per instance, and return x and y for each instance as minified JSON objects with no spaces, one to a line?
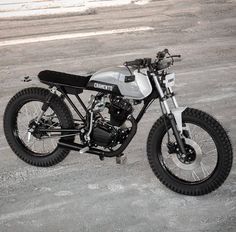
{"x":173,"y":98}
{"x":175,"y":102}
{"x":161,"y":94}
{"x":170,"y":116}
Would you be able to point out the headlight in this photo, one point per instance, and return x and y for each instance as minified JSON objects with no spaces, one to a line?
{"x":169,"y":80}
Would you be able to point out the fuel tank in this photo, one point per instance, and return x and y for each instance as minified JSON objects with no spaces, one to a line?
{"x":131,"y":84}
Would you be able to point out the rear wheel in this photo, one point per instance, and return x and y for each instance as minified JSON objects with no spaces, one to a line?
{"x":37,"y":148}
{"x":209,"y":154}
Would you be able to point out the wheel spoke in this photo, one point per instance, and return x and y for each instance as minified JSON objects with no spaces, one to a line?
{"x":195,"y":176}
{"x":210,"y":151}
{"x":52,"y":141}
{"x":24,"y":135}
{"x":27,"y":114}
{"x":52,"y":125}
{"x":192,"y":131}
{"x":204,"y":170}
{"x":35,"y":110}
{"x":33,"y":142}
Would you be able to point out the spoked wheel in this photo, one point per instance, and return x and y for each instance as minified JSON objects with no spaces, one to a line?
{"x":200,"y":160}
{"x":209,"y":154}
{"x":35,"y":146}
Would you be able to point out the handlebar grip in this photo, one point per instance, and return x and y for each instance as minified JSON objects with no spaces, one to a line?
{"x":136,"y":62}
{"x":176,"y":56}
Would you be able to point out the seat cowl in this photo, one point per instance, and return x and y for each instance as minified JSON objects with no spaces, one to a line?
{"x":64,"y":79}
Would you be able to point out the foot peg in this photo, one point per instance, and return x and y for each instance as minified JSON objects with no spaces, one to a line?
{"x":83,"y":150}
{"x":121,"y":159}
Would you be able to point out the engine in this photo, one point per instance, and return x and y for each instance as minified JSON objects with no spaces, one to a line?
{"x":119,"y":110}
{"x":110,"y":131}
{"x":104,"y":135}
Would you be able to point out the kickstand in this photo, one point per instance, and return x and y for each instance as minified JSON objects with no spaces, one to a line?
{"x":122,"y":159}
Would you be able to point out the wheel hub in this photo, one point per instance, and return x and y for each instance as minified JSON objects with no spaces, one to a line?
{"x":34,"y":129}
{"x":189,"y":157}
{"x":43,"y":124}
{"x":192,"y":159}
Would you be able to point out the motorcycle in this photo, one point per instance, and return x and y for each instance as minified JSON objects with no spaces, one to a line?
{"x":187,"y":149}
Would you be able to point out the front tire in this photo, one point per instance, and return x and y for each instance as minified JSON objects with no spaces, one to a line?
{"x":223,"y":161}
{"x":11,"y":128}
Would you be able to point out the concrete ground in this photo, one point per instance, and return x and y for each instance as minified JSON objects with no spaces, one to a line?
{"x":84,"y":194}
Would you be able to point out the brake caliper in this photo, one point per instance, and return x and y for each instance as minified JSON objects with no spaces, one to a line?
{"x":172,"y":147}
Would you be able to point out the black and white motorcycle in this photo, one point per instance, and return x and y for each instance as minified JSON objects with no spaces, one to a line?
{"x":188,"y":150}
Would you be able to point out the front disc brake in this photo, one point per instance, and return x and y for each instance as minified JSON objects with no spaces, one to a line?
{"x":194,"y":163}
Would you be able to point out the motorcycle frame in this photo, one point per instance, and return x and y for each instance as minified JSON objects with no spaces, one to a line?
{"x":175,"y":115}
{"x":65,"y":95}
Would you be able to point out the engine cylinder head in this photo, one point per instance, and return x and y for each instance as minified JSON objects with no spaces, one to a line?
{"x":119,"y":110}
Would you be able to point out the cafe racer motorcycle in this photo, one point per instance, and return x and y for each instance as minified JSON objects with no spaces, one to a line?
{"x":187,"y":149}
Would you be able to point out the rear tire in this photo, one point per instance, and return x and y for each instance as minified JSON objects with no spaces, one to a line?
{"x":223,"y":147}
{"x":10,"y":120}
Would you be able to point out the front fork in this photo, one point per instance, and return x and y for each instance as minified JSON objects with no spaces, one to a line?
{"x":174,"y":115}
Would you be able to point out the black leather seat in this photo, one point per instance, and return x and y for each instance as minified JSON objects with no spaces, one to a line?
{"x":64,"y":79}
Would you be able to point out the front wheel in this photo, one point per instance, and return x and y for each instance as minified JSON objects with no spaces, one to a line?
{"x":209,"y":154}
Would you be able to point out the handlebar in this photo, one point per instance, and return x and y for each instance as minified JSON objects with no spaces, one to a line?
{"x":164,"y":60}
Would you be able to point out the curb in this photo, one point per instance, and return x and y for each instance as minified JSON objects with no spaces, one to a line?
{"x":30,"y":8}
